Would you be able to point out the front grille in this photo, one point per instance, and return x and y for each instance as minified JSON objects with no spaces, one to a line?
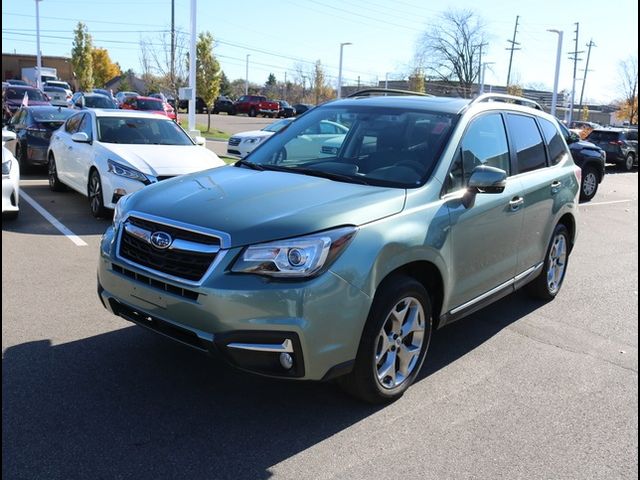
{"x":166,"y":287}
{"x":185,"y":264}
{"x":234,"y":141}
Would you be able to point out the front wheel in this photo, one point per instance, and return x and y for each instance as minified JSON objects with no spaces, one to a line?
{"x":629,"y":160}
{"x":96,"y":201}
{"x":252,"y":112}
{"x":547,"y":285}
{"x":394,"y":342}
{"x":589,"y":185}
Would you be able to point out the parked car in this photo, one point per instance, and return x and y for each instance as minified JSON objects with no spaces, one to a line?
{"x":57,"y":96}
{"x":254,"y":105}
{"x":149,"y":104}
{"x":286,"y":110}
{"x":242,"y":144}
{"x":107,"y":154}
{"x":14,"y":96}
{"x":120,"y":96}
{"x":106,"y":93}
{"x":583,"y":128}
{"x":223,"y":104}
{"x":620,"y":144}
{"x":17,"y":81}
{"x":170,"y":100}
{"x":201,"y":105}
{"x":59,"y":84}
{"x":591,"y":160}
{"x":343,"y":266}
{"x":82,"y":100}
{"x":301,"y":108}
{"x":33,"y":127}
{"x":10,"y":180}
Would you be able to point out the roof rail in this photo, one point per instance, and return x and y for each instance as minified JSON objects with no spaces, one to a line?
{"x":388,"y":91}
{"x":501,"y":97}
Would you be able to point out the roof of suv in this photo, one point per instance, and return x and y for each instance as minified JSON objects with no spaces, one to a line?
{"x":441,"y":104}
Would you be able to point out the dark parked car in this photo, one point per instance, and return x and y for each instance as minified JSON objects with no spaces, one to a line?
{"x":286,"y":110}
{"x":92,"y":100}
{"x":621,"y":145}
{"x":300,"y":108}
{"x":201,"y":105}
{"x":33,"y":127}
{"x":590,"y":158}
{"x":17,"y":81}
{"x":13,"y":96}
{"x":223,"y":104}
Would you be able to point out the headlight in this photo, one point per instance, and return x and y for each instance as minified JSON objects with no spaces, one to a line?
{"x":119,"y":211}
{"x":254,"y":140}
{"x":6,"y":167}
{"x":296,"y":257}
{"x":127,"y":172}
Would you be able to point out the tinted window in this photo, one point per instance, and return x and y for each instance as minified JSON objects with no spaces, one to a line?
{"x":51,"y":114}
{"x":32,"y":94}
{"x":72,"y":124}
{"x":527,"y":142}
{"x":484,"y":143}
{"x":632,"y":135}
{"x":141,"y":131}
{"x":554,"y":141}
{"x":97,"y":101}
{"x":85,"y":126}
{"x":603,"y":136}
{"x":150,"y":105}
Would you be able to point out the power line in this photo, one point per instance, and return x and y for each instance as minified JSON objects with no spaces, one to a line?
{"x":512,"y":48}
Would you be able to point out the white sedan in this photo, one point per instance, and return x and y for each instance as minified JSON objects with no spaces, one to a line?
{"x":306,"y":146}
{"x":10,"y":179}
{"x":105,"y":154}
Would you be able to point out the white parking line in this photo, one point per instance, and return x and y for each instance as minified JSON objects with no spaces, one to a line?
{"x":594,"y":204}
{"x":53,"y":221}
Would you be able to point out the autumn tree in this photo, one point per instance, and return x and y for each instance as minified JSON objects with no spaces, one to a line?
{"x":225,"y":85}
{"x":103,"y":68}
{"x":416,"y":81}
{"x":81,"y":57}
{"x":628,"y":105}
{"x":450,"y":49}
{"x":320,"y":88}
{"x":207,"y":72}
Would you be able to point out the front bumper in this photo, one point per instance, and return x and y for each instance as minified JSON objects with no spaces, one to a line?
{"x":318,"y":322}
{"x":11,"y":189}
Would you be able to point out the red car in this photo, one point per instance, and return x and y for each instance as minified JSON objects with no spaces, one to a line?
{"x":150,"y":104}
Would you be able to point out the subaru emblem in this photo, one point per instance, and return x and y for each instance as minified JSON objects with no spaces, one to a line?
{"x":161,"y":240}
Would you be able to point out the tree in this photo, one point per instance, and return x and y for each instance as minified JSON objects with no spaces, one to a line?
{"x":271,"y":86}
{"x":416,"y":81}
{"x":629,"y":88}
{"x":225,"y":85}
{"x":584,"y":114}
{"x":515,"y":90}
{"x":207,"y":72}
{"x":450,"y":49}
{"x":321,"y":90}
{"x":81,"y":58}
{"x":103,"y":68}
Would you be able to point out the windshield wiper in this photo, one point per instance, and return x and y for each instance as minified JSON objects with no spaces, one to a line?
{"x":329,"y":175}
{"x":251,"y":165}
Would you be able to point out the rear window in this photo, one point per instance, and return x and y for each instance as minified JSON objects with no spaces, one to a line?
{"x":60,"y":114}
{"x":32,"y":94}
{"x":98,"y":102}
{"x":603,"y":136}
{"x":530,"y":150}
{"x":150,"y":104}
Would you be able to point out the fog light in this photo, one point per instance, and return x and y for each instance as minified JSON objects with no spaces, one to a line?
{"x":286,"y":360}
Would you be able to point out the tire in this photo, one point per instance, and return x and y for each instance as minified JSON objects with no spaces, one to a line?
{"x":94,"y":192}
{"x":547,"y":285}
{"x":232,"y":112}
{"x":55,"y":185}
{"x":589,"y":185}
{"x":629,"y":160}
{"x":400,"y":320}
{"x":216,"y":112}
{"x":252,"y":112}
{"x":21,"y":157}
{"x":10,"y":216}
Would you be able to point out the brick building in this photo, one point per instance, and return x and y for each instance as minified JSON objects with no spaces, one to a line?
{"x":13,"y":63}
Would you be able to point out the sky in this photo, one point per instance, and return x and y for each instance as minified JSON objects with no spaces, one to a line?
{"x":283,"y":35}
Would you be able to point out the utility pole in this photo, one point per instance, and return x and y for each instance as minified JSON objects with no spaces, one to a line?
{"x":586,"y":69}
{"x":574,"y":57}
{"x":480,"y":70}
{"x":284,"y":94}
{"x":358,"y":82}
{"x":38,"y":52}
{"x":512,"y":48}
{"x":246,"y":77}
{"x":173,"y":52}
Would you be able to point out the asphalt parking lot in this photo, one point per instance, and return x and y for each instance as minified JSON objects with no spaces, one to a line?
{"x":521,"y":389}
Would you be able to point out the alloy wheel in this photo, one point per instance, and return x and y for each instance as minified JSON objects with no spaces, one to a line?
{"x":589,"y":184}
{"x":557,"y":263}
{"x":95,"y":194}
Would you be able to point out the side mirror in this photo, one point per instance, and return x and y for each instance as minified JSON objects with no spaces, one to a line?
{"x":485,"y":179}
{"x":80,"y":137}
{"x":200,"y":141}
{"x":7,"y":135}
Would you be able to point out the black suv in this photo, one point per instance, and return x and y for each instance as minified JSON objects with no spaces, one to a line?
{"x":223,"y":104}
{"x":590,"y":158}
{"x":201,"y":105}
{"x":621,"y":145}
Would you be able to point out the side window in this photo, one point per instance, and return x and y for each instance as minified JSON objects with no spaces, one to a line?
{"x":527,"y":142}
{"x":632,"y":135}
{"x":85,"y":126}
{"x":72,"y":124}
{"x":554,"y":141}
{"x":242,"y":99}
{"x":484,"y":143}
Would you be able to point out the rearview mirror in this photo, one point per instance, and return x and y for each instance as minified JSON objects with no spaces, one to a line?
{"x":80,"y":137}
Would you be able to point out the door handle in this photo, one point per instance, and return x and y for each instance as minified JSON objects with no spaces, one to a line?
{"x":516,"y":203}
{"x":555,"y":186}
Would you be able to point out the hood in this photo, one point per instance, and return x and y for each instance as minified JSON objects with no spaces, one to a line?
{"x":582,"y":144}
{"x":257,"y":206}
{"x":163,"y":160}
{"x":252,"y":133}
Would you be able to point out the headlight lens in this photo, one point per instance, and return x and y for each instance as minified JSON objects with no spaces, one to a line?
{"x":6,"y":167}
{"x":127,"y":172}
{"x":297,"y":257}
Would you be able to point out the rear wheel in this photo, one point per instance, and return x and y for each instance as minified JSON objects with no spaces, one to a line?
{"x":252,"y":112}
{"x":52,"y":172}
{"x":547,"y":285}
{"x":589,"y":185}
{"x":21,"y":157}
{"x":96,"y":201}
{"x":394,"y":342}
{"x":629,"y":160}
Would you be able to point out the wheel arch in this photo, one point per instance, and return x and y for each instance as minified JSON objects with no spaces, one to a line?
{"x":569,"y":221}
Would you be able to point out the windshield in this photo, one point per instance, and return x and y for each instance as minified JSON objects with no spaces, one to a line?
{"x":277,"y":126}
{"x":33,"y":94}
{"x":372,"y":145}
{"x":99,"y":101}
{"x":52,"y":115}
{"x":141,"y":131}
{"x":150,"y":104}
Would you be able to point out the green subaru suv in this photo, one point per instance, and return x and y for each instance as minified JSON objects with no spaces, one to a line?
{"x":335,"y":252}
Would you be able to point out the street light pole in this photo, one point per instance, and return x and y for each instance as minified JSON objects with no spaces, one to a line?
{"x":192,"y":69}
{"x":482,"y":76}
{"x":38,"y":53}
{"x":340,"y":69}
{"x":554,"y":97}
{"x":246,"y":76}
